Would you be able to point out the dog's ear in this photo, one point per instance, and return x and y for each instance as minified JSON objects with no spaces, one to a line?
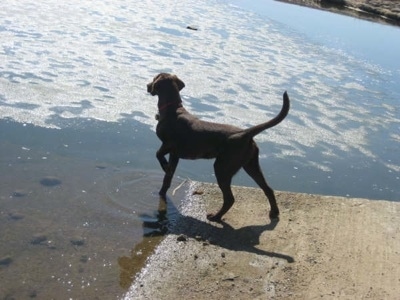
{"x":153,"y":87}
{"x":179,"y":82}
{"x":150,"y":88}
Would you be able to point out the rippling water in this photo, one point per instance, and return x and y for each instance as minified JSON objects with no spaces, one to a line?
{"x":73,"y":105}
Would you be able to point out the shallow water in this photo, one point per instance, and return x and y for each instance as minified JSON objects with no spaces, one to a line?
{"x":74,"y":218}
{"x":73,"y":107}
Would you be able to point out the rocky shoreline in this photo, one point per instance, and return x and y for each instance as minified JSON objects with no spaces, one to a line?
{"x":382,"y":11}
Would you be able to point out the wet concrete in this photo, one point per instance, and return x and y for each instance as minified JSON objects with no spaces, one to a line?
{"x":322,"y":247}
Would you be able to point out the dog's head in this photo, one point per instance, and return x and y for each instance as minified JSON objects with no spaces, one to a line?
{"x":164,"y":82}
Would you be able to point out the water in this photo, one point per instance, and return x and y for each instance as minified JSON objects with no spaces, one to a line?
{"x":73,"y":106}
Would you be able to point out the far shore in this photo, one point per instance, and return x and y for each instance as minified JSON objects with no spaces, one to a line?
{"x":381,"y":11}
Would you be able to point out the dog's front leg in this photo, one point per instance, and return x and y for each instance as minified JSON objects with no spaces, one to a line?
{"x":169,"y":173}
{"x":161,"y":157}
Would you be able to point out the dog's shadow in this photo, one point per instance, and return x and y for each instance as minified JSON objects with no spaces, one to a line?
{"x":242,"y":239}
{"x":168,"y":220}
{"x":222,"y":234}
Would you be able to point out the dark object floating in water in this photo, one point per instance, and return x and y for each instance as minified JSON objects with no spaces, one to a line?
{"x":191,"y":28}
{"x":50,"y":181}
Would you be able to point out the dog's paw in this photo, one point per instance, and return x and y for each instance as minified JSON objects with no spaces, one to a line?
{"x":214,"y":218}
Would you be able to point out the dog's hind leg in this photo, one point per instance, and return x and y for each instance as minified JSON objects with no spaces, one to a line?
{"x":224,"y":170}
{"x":252,"y":167}
{"x":169,"y":173}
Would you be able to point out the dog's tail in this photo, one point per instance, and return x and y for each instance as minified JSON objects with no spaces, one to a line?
{"x":253,"y":131}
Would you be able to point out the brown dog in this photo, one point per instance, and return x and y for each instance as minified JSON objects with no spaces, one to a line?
{"x":185,"y":136}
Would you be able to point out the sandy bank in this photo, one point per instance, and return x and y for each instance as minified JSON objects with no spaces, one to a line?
{"x":322,"y":247}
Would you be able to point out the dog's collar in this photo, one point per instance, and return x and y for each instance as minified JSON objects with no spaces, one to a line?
{"x":160,"y":109}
